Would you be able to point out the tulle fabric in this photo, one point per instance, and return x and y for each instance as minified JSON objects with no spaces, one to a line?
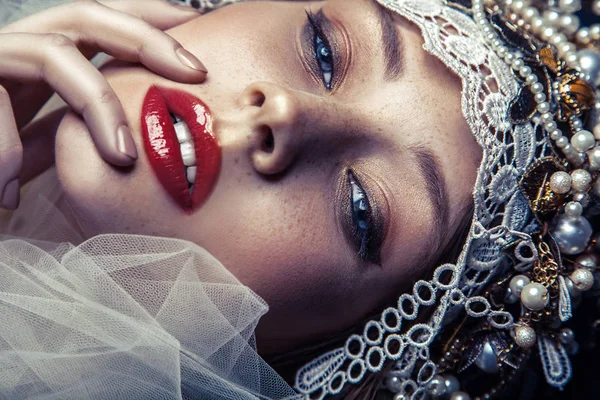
{"x":121,"y":316}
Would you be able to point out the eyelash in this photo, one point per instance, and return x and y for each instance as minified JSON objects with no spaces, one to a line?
{"x":322,"y":51}
{"x":360,"y":210}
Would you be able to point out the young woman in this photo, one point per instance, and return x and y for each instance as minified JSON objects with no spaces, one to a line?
{"x":328,"y":160}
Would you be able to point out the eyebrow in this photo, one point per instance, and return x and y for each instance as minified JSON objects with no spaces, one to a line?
{"x":435,"y":185}
{"x":392,"y":45}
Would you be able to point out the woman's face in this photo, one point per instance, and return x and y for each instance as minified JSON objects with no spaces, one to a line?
{"x":304,"y":133}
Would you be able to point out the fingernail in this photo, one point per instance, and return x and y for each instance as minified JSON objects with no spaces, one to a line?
{"x":125,"y":142}
{"x":10,"y":198}
{"x":187,"y":8}
{"x":189,"y":60}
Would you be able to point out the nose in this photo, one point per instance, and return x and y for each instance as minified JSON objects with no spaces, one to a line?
{"x":277,"y":124}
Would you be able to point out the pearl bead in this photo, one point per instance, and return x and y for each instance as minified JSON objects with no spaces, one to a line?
{"x":537,"y":23}
{"x":543,"y":107}
{"x":534,"y":296}
{"x":569,"y":6}
{"x":597,"y":131}
{"x":567,"y":335}
{"x":567,"y":48}
{"x":510,"y":297}
{"x":582,"y":198}
{"x":595,"y":32}
{"x":556,"y":134}
{"x":525,"y":71}
{"x":589,"y":61}
{"x":531,"y":79}
{"x":517,"y":284}
{"x":560,"y":182}
{"x":583,"y":279}
{"x":537,"y":88}
{"x":580,"y":180}
{"x":400,"y":396}
{"x":573,"y":209}
{"x":437,"y":386}
{"x":562,"y":142}
{"x":394,"y":384}
{"x":518,"y":64}
{"x":551,"y":17}
{"x":571,"y":234}
{"x":570,"y":23}
{"x":583,"y":35}
{"x":452,"y":384}
{"x":548,"y":32}
{"x":460,"y":396}
{"x":596,"y":7}
{"x":547,"y":117}
{"x":576,"y":124}
{"x":588,"y":260}
{"x":583,"y":140}
{"x":539,"y":98}
{"x":594,"y":157}
{"x":525,"y":337}
{"x":550,"y":126}
{"x":558,"y":39}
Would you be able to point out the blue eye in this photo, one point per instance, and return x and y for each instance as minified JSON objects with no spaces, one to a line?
{"x":360,"y":208}
{"x":324,"y":59}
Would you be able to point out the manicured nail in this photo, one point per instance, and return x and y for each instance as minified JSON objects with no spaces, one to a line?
{"x":187,"y":8}
{"x":10,"y":198}
{"x":125,"y":142}
{"x":189,"y":60}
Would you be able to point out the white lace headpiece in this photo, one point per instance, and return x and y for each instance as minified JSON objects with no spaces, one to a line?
{"x":498,"y":82}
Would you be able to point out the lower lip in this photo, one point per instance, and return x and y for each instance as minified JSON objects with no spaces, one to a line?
{"x":162,"y":146}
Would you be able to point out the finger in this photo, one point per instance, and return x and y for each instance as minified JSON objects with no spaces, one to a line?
{"x":125,"y":36}
{"x":55,"y":59}
{"x":38,"y":144}
{"x":11,"y":154}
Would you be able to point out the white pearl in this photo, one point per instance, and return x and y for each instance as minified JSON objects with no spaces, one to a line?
{"x":583,"y":35}
{"x":589,"y":61}
{"x":576,"y":124}
{"x":580,"y":180}
{"x":570,"y":23}
{"x":518,"y":64}
{"x":569,"y":6}
{"x":537,"y":88}
{"x":594,"y":157}
{"x":573,"y":209}
{"x":551,"y":17}
{"x":510,"y":297}
{"x":556,"y":134}
{"x":530,"y":13}
{"x":567,"y":335}
{"x":543,"y":107}
{"x":560,"y":182}
{"x":531,"y":79}
{"x":558,"y":39}
{"x":571,"y":58}
{"x":572,"y":235}
{"x":595,"y":32}
{"x":452,"y":384}
{"x":537,"y":23}
{"x":437,"y":386}
{"x":588,"y":260}
{"x":460,"y":396}
{"x":400,"y":396}
{"x":534,"y":296}
{"x":597,"y":131}
{"x":517,"y":284}
{"x":596,"y":7}
{"x":548,"y":32}
{"x":583,"y":140}
{"x":562,"y":142}
{"x":525,"y":337}
{"x":525,"y":71}
{"x":550,"y":126}
{"x":582,"y":278}
{"x":394,"y":384}
{"x":547,"y":117}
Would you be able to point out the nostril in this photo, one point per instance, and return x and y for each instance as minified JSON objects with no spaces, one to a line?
{"x":257,"y":99}
{"x":268,"y":142}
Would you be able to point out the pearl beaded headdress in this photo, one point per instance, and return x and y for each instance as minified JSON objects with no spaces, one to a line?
{"x":530,"y":81}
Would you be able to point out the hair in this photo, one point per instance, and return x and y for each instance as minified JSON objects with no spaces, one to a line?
{"x":287,"y":364}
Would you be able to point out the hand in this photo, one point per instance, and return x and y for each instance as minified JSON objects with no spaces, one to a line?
{"x":49,"y":52}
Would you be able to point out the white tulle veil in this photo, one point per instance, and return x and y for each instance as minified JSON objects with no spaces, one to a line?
{"x":121,"y":316}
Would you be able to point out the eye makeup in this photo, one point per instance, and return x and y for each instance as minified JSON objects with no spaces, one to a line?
{"x":321,"y":50}
{"x":362,"y":220}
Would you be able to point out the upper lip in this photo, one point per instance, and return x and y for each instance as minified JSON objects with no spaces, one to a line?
{"x":162,"y":146}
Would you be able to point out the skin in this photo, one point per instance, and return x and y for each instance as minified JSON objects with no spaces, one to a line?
{"x":274,"y":218}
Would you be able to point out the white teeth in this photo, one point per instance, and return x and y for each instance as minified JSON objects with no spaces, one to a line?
{"x":188,"y":153}
{"x":191,"y":175}
{"x":182,"y":131}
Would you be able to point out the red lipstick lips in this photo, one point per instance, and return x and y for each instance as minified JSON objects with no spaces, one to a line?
{"x":163,"y":149}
